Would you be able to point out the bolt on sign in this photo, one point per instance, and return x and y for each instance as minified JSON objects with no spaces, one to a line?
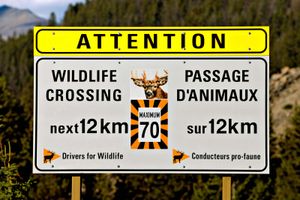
{"x":151,"y":100}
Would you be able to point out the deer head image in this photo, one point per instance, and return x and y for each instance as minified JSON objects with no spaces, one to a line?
{"x":152,"y":87}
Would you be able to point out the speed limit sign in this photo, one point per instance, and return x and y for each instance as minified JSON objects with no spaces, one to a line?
{"x":149,"y":124}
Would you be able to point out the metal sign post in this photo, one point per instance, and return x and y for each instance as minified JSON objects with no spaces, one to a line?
{"x":76,"y":188}
{"x":226,"y":188}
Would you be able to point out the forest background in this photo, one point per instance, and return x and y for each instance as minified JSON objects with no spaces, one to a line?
{"x":16,"y":104}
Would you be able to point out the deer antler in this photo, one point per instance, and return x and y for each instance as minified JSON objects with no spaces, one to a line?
{"x":156,"y":76}
{"x":134,"y":75}
{"x":144,"y":75}
{"x":136,"y":80}
{"x":163,"y":76}
{"x":166,"y":74}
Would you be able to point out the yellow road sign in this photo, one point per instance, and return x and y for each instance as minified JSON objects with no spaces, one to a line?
{"x":116,"y":41}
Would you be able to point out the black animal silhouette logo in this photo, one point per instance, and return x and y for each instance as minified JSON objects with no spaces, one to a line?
{"x":178,"y":156}
{"x":48,"y":158}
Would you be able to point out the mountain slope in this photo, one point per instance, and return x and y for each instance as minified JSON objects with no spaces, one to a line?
{"x":284,"y":96}
{"x":17,"y":21}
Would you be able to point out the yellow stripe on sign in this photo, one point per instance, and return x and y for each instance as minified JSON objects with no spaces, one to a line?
{"x":134,"y":110}
{"x":158,"y":41}
{"x":164,"y":139}
{"x":134,"y":122}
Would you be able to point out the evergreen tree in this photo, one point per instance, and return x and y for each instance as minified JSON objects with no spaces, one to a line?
{"x":288,"y":177}
{"x":52,"y":19}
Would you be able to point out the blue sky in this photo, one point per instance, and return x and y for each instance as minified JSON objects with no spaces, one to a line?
{"x":42,"y":8}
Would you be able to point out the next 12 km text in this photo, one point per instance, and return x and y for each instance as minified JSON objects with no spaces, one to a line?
{"x":90,"y":126}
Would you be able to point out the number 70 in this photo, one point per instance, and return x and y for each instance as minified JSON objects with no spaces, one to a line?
{"x":154,"y":128}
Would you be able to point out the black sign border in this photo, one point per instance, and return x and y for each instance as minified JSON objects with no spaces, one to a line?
{"x":219,"y":171}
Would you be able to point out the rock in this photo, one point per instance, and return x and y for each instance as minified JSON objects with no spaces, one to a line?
{"x":285,"y":70}
{"x":280,"y":81}
{"x":284,"y":96}
{"x":283,"y":80}
{"x":275,"y":77}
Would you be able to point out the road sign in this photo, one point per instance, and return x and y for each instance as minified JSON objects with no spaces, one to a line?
{"x":151,"y":100}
